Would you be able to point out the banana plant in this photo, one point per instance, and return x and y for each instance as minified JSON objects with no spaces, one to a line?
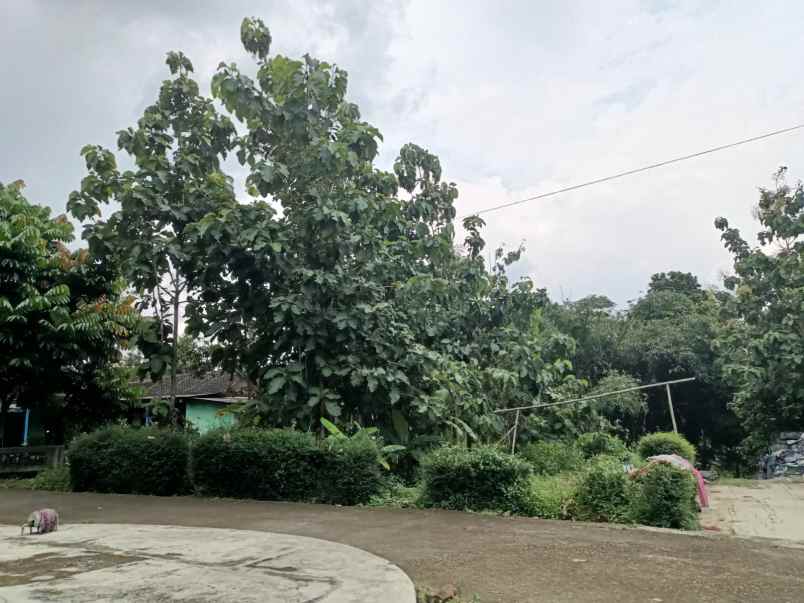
{"x":364,"y":432}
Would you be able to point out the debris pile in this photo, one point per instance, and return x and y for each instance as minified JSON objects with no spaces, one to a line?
{"x":786,"y":456}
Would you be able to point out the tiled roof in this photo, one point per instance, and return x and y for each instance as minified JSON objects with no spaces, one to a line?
{"x":189,"y":385}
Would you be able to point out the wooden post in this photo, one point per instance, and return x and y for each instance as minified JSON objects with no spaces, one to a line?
{"x":513,"y":436}
{"x":672,"y":412}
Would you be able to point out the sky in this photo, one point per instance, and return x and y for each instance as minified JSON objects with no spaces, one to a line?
{"x":517,"y":98}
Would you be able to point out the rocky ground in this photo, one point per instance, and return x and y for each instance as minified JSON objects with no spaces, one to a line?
{"x":499,"y":559}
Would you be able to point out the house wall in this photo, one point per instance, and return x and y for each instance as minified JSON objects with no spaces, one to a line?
{"x":204,"y":416}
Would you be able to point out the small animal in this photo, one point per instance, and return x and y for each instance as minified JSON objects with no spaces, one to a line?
{"x":43,"y":520}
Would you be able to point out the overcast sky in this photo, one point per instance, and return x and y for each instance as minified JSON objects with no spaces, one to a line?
{"x":517,"y":98}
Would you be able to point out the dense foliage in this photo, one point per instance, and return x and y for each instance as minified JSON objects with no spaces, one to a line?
{"x":597,"y":443}
{"x":604,"y":492}
{"x":665,"y":498}
{"x":176,"y":149}
{"x":665,"y":443}
{"x":477,"y":479}
{"x":551,"y":458}
{"x":63,"y":318}
{"x":763,"y":348}
{"x":277,"y":464}
{"x":130,"y":461}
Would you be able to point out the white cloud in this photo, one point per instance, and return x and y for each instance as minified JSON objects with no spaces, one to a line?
{"x":517,"y":98}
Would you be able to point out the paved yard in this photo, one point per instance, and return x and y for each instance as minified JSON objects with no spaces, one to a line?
{"x":511,"y":560}
{"x":85,"y":563}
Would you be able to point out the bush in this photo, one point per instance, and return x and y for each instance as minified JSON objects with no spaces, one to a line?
{"x":548,"y":497}
{"x":666,"y":498}
{"x":596,"y":443}
{"x":666,"y":442}
{"x":395,"y":493}
{"x":130,"y":461}
{"x":351,"y":472}
{"x":604,"y":492}
{"x":478,"y":479}
{"x":551,"y":458}
{"x":255,"y":463}
{"x":55,"y":479}
{"x":281,"y":464}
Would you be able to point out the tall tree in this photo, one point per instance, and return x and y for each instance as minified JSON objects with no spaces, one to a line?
{"x":63,"y":319}
{"x":765,"y":345}
{"x":176,"y":149}
{"x":342,"y":292}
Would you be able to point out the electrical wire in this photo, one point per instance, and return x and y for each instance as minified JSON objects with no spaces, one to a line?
{"x":635,"y":171}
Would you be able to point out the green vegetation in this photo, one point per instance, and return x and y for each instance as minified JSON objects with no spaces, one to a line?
{"x":475,"y":479}
{"x":378,"y":342}
{"x":597,"y":443}
{"x":551,"y":458}
{"x":666,"y":442}
{"x":287,"y":465}
{"x":666,"y":498}
{"x":130,"y":461}
{"x":604,"y":492}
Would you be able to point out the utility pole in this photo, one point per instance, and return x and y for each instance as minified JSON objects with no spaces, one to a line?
{"x":672,"y":411}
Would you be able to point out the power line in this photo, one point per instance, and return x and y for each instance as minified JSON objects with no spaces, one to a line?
{"x":635,"y":171}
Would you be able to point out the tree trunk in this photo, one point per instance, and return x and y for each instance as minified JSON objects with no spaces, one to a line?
{"x":174,"y":353}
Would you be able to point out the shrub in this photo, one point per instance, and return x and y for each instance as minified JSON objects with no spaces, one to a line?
{"x":597,"y":443}
{"x":604,"y":492}
{"x":666,"y":498}
{"x":55,"y":479}
{"x":551,"y":458}
{"x":351,"y":472}
{"x":255,"y":463}
{"x":130,"y":461}
{"x":666,"y":442}
{"x":548,"y":497}
{"x":481,"y":478}
{"x":395,"y":493}
{"x":282,"y":464}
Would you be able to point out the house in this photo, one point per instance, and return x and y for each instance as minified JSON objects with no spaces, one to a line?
{"x":202,"y":401}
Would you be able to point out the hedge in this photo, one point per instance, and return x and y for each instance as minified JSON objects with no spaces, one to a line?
{"x":130,"y":461}
{"x":666,"y":442}
{"x":604,"y":492}
{"x":666,"y":498}
{"x":253,"y":463}
{"x":477,"y":479}
{"x":286,"y":465}
{"x":551,"y":458}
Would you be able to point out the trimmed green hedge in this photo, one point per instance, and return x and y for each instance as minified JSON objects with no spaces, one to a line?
{"x":130,"y":461}
{"x":666,"y":498}
{"x":551,"y":458}
{"x":254,"y":463}
{"x":477,"y":479}
{"x":666,"y":442}
{"x":351,"y":471}
{"x":281,"y":464}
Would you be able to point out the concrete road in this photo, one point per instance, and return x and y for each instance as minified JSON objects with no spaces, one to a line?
{"x":501,"y":559}
{"x":85,"y":563}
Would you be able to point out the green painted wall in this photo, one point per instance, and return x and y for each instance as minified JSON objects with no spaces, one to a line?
{"x":204,"y":416}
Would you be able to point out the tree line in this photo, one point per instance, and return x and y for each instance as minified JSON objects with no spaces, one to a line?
{"x":340,"y":291}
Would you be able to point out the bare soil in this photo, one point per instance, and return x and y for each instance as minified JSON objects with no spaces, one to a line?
{"x":500,"y":559}
{"x":768,"y":509}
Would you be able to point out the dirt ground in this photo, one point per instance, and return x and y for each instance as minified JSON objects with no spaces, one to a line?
{"x":499,"y":559}
{"x":769,"y":509}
